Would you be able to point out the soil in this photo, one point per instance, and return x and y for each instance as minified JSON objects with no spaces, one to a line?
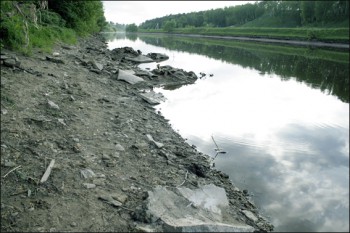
{"x":64,"y":108}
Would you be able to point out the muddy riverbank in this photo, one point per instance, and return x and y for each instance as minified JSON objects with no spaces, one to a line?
{"x":82,"y":148}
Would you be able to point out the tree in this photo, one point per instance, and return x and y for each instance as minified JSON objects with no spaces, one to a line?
{"x":169,"y":26}
{"x":307,"y":12}
{"x":131,"y":28}
{"x":85,"y":17}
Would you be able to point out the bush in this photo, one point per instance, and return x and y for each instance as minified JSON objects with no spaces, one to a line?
{"x":52,"y":18}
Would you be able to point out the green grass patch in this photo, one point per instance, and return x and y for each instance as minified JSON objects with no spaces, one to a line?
{"x":318,"y":34}
{"x":328,"y":55}
{"x":46,"y":36}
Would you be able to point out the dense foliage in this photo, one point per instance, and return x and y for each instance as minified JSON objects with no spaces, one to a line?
{"x":131,"y":28}
{"x":40,"y":23}
{"x":84,"y":17}
{"x":262,"y":13}
{"x":114,"y":27}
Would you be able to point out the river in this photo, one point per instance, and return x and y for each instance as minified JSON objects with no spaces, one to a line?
{"x":280,"y":113}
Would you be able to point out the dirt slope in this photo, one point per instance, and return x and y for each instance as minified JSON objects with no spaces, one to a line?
{"x":96,"y":129}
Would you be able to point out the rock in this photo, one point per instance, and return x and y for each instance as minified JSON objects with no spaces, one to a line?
{"x":52,"y":105}
{"x":175,"y":211}
{"x":198,"y":169}
{"x":68,"y":47}
{"x":128,"y":77}
{"x":139,"y":59}
{"x":95,"y":71}
{"x":145,"y":73}
{"x":145,"y":229}
{"x":3,"y":111}
{"x":106,"y":157}
{"x":158,"y":57}
{"x":120,"y":197}
{"x":11,"y":62}
{"x":9,"y":164}
{"x":209,"y":197}
{"x":55,"y":60}
{"x":195,"y":225}
{"x":89,"y":186}
{"x":77,"y":148}
{"x":110,"y":200}
{"x":158,"y":144}
{"x":87,"y":173}
{"x":119,"y":147}
{"x":250,"y":215}
{"x":61,"y":121}
{"x":97,"y":65}
{"x":152,"y":98}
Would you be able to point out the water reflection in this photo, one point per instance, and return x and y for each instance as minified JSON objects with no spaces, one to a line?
{"x":286,"y":137}
{"x":327,"y":70}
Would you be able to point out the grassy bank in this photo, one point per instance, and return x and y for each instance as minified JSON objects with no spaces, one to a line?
{"x":340,"y":35}
{"x":39,"y":24}
{"x":329,"y":55}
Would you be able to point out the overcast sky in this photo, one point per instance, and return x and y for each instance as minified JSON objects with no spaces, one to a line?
{"x":128,"y":12}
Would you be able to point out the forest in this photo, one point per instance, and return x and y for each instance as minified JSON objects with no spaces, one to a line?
{"x":262,"y":13}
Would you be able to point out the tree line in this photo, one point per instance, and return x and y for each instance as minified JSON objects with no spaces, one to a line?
{"x":287,"y":13}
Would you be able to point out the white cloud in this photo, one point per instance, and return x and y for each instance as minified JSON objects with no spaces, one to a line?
{"x":128,"y":12}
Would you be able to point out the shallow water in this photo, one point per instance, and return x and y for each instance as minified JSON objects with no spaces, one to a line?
{"x":281,"y":116}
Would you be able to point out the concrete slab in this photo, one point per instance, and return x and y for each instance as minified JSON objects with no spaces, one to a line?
{"x":140,"y":59}
{"x":128,"y":77}
{"x":186,"y":210}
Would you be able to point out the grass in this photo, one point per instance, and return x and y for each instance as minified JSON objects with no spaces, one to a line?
{"x":319,"y":34}
{"x":45,"y":37}
{"x":329,"y":55}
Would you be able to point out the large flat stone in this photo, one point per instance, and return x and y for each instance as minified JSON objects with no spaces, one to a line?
{"x":152,"y":97}
{"x":198,"y":210}
{"x":194,"y":225}
{"x":128,"y":77}
{"x":140,"y":59}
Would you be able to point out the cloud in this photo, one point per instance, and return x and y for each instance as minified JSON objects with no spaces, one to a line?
{"x":128,"y":12}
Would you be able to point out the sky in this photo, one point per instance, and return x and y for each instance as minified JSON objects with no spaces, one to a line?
{"x":128,"y":12}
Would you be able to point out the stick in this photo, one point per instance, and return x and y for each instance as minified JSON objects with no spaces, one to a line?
{"x":215,"y":142}
{"x":184,"y":180}
{"x":11,"y":171}
{"x":47,"y":172}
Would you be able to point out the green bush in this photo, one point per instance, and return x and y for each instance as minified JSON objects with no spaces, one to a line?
{"x":52,"y":18}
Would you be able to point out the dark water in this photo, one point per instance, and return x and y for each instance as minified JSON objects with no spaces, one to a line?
{"x":282,"y":115}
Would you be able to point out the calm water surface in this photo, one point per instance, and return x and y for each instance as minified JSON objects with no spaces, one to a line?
{"x":282,"y":118}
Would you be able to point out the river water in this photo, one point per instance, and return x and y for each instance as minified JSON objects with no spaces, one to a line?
{"x":280,"y":113}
